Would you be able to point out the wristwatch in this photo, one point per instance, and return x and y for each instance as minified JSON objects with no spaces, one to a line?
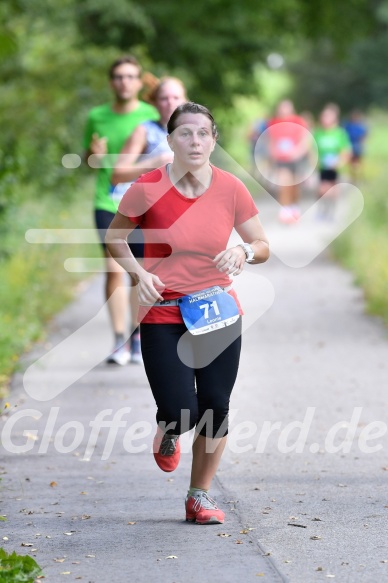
{"x":249,"y":253}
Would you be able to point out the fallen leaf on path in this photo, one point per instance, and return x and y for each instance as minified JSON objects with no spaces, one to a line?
{"x":315,"y":537}
{"x":239,"y":542}
{"x":131,"y":523}
{"x":319,"y":569}
{"x":223,"y":534}
{"x":171,"y":557}
{"x":59,"y":560}
{"x":27,"y":545}
{"x":316,"y":519}
{"x":90,"y":556}
{"x":53,"y":484}
{"x":296,"y":524}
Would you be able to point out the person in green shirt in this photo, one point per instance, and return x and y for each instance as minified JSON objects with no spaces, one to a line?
{"x":334,"y":152}
{"x":107,"y":128}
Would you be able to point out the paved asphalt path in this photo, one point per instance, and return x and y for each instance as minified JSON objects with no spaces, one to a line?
{"x":305,"y":501}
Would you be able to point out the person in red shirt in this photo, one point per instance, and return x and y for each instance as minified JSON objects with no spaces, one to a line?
{"x":190,"y":317}
{"x":289,"y":142}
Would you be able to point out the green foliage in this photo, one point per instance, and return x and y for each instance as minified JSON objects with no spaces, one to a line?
{"x":18,"y":568}
{"x":358,"y":80}
{"x":339,"y":23}
{"x":220,"y":42}
{"x":47,"y":87}
{"x":344,"y":59}
{"x":33,"y":282}
{"x":363,"y":247}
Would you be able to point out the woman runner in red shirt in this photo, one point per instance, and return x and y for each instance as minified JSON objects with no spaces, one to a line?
{"x":190,"y":317}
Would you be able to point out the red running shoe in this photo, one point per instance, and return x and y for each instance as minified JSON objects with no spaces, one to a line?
{"x":203,"y":510}
{"x":167,"y":450}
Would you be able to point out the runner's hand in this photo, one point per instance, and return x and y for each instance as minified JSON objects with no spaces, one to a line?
{"x":230,"y":261}
{"x":147,"y":289}
{"x":98,"y":145}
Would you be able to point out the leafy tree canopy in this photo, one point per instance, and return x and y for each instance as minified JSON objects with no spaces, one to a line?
{"x":219,"y":42}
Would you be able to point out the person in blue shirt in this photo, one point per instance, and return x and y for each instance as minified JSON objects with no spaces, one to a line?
{"x":357,"y":131}
{"x":258,"y":146}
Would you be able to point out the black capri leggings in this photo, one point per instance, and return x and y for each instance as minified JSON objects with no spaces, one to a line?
{"x":191,"y":382}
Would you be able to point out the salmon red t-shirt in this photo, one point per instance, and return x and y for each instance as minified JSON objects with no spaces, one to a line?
{"x":284,"y":135}
{"x":183,"y":235}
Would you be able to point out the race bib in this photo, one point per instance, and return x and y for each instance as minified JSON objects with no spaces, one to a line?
{"x":117,"y":191}
{"x":330,"y":160}
{"x":284,"y":145}
{"x":208,"y":310}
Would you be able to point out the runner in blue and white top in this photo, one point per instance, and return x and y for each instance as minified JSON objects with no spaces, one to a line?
{"x":147,"y":146}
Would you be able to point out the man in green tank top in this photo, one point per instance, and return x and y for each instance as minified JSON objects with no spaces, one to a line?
{"x":107,"y":128}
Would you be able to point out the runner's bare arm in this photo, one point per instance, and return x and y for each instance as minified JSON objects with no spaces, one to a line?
{"x":252,"y":232}
{"x":125,"y":169}
{"x":232,"y":260}
{"x":98,"y":146}
{"x":128,"y":166}
{"x":116,"y":242}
